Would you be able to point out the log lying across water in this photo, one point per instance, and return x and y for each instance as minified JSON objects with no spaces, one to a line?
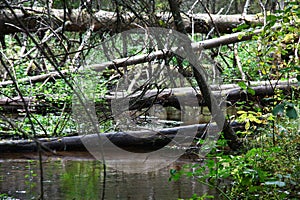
{"x":147,"y":141}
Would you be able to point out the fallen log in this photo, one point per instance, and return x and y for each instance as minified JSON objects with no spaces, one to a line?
{"x":34,"y":79}
{"x":160,"y":54}
{"x":168,"y":98}
{"x":11,"y":105}
{"x":229,"y":92}
{"x":145,"y":141}
{"x":80,"y":20}
{"x":138,"y":59}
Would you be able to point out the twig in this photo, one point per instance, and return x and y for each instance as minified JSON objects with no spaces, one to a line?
{"x":238,"y":62}
{"x":211,"y":19}
{"x":246,"y":6}
{"x":264,"y":11}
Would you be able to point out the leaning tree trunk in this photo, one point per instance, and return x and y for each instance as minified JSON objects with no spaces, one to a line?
{"x":229,"y":133}
{"x":121,"y":62}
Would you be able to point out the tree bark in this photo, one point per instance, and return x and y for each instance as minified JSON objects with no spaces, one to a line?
{"x":196,"y":46}
{"x":123,"y":140}
{"x":121,"y":62}
{"x":34,"y":79}
{"x":104,"y":21}
{"x":231,"y":92}
{"x":199,"y":74}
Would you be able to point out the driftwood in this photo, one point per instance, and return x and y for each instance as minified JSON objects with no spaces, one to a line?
{"x":81,"y":20}
{"x":120,"y":139}
{"x":230,"y":92}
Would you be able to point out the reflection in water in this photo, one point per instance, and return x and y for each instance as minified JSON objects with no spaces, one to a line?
{"x":71,"y":178}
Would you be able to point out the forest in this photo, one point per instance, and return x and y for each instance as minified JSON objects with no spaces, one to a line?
{"x":149,"y":99}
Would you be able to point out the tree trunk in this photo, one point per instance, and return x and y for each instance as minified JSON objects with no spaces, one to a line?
{"x":231,"y":92}
{"x":121,"y":62}
{"x":123,"y":140}
{"x":213,"y":106}
{"x":104,"y":21}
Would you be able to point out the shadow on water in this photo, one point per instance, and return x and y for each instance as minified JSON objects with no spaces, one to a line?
{"x":79,"y":176}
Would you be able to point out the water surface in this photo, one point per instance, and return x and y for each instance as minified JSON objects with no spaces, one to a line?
{"x":78,"y":176}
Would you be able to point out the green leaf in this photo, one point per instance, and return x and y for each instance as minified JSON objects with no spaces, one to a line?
{"x":161,"y":23}
{"x":210,"y":163}
{"x":173,"y":171}
{"x":240,"y":36}
{"x":175,"y":175}
{"x":291,"y":112}
{"x":251,"y":91}
{"x":240,"y":27}
{"x":247,"y":125}
{"x":271,"y":18}
{"x":279,"y":109}
{"x":242,"y":85}
{"x":298,"y":78}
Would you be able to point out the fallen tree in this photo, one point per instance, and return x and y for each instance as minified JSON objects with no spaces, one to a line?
{"x":168,"y":97}
{"x":196,"y":46}
{"x":230,"y":93}
{"x":145,"y":141}
{"x":121,"y":62}
{"x":38,"y":78}
{"x":105,"y":21}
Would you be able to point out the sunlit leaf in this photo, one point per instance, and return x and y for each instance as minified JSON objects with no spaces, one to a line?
{"x":161,"y":22}
{"x":251,"y":91}
{"x":242,"y":85}
{"x":240,"y":36}
{"x":241,"y":27}
{"x":256,"y":120}
{"x":247,"y":125}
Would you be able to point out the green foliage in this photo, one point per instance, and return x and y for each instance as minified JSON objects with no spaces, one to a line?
{"x":278,"y":47}
{"x":268,"y":166}
{"x":5,"y":196}
{"x":271,"y":54}
{"x":286,"y":107}
{"x":246,"y":88}
{"x":252,"y":119}
{"x":51,"y":114}
{"x":202,"y":197}
{"x":267,"y":172}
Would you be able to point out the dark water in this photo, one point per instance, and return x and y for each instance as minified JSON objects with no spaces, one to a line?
{"x":81,"y":177}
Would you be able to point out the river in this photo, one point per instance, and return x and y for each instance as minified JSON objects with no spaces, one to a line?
{"x":77,"y":175}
